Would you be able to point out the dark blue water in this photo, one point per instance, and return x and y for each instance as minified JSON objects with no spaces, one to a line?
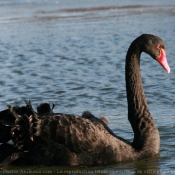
{"x":72,"y":53}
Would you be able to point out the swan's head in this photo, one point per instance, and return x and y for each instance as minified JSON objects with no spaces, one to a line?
{"x":155,"y":47}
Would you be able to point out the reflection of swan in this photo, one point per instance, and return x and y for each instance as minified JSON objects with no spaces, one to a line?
{"x":63,"y":139}
{"x":149,"y":167}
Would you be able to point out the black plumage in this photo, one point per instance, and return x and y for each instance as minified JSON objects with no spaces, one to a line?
{"x":48,"y":138}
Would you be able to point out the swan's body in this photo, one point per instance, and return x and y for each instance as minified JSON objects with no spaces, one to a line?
{"x":64,"y":139}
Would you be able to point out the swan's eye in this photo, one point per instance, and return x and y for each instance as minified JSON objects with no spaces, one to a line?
{"x":159,"y":48}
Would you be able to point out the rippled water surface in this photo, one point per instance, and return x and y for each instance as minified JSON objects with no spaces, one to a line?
{"x":72,"y":53}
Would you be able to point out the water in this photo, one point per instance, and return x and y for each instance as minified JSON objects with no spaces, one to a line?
{"x":72,"y":54}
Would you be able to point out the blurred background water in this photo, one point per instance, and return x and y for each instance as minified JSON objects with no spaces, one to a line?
{"x":72,"y":53}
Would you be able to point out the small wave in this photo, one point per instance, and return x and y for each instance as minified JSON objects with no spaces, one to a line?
{"x":101,"y":8}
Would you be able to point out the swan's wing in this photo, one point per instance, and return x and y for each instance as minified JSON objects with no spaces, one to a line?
{"x":6,"y":116}
{"x":5,"y":133}
{"x":5,"y":151}
{"x":76,"y":133}
{"x":92,"y":118}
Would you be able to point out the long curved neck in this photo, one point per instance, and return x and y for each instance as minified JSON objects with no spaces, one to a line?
{"x":145,"y":131}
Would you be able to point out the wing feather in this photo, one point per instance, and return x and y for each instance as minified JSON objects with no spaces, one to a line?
{"x":76,"y":133}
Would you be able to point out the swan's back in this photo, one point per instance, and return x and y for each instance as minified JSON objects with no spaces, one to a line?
{"x":76,"y":133}
{"x":65,"y":139}
{"x":59,"y":138}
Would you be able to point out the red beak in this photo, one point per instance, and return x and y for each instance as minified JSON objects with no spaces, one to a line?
{"x":163,"y":60}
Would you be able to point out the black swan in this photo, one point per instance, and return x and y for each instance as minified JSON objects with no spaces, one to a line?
{"x":49,"y":138}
